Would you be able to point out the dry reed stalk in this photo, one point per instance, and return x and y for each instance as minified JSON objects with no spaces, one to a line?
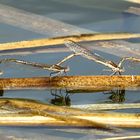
{"x":123,"y":137}
{"x":109,"y":119}
{"x":60,"y":40}
{"x":98,"y":83}
{"x":61,"y":114}
{"x":38,"y":114}
{"x":31,"y":104}
{"x":93,"y":107}
{"x":133,"y":10}
{"x":134,"y":1}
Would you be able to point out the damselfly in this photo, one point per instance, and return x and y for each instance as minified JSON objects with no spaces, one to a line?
{"x":55,"y":68}
{"x":80,"y":50}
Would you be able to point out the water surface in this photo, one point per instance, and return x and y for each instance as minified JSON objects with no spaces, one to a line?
{"x":96,"y":15}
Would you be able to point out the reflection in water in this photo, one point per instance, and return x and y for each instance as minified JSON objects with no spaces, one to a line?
{"x":1,"y":92}
{"x":117,"y":96}
{"x":59,"y":99}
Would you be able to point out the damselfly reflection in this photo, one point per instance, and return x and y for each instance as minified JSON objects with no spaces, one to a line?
{"x":117,"y":96}
{"x":60,"y":99}
{"x":57,"y":69}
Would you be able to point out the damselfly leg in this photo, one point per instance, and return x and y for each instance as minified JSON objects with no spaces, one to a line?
{"x":66,"y":58}
{"x":133,"y":59}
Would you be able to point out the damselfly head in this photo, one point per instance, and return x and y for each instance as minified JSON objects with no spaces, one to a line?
{"x":115,"y":67}
{"x":118,"y":69}
{"x":68,"y":42}
{"x":65,"y":69}
{"x":59,"y":68}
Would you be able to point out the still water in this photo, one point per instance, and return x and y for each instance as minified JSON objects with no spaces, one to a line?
{"x":95,"y":15}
